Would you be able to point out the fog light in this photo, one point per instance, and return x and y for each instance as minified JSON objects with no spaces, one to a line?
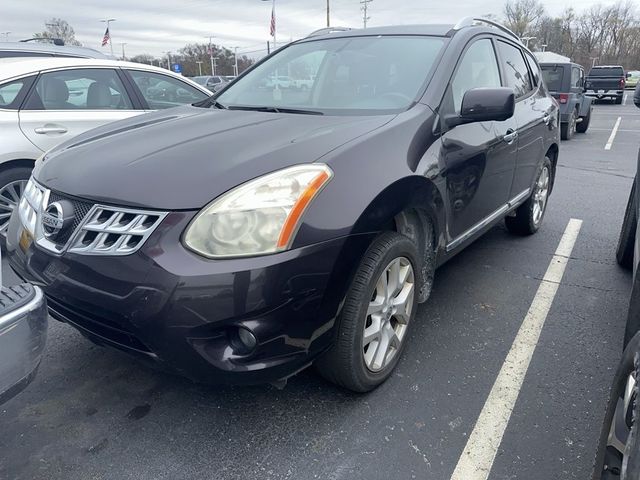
{"x":247,"y":339}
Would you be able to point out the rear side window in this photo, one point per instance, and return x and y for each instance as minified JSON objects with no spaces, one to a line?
{"x":477,"y":69}
{"x":606,"y":72}
{"x":9,"y":92}
{"x":163,"y":91}
{"x":552,"y":75}
{"x":515,"y":69}
{"x":79,"y":89}
{"x":576,"y":77}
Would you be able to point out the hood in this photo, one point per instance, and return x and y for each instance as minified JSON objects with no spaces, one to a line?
{"x":183,"y":158}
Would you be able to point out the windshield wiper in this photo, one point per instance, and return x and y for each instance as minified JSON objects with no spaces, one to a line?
{"x":274,"y":109}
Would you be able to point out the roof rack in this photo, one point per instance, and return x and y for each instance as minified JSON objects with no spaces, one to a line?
{"x":470,"y":21}
{"x":327,"y":30}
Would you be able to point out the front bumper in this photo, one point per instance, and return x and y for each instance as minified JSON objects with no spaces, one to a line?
{"x":170,"y":306}
{"x":23,"y":332}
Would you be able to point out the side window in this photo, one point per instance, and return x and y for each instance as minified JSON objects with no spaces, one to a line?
{"x":575,"y":77}
{"x":80,"y":89}
{"x":163,"y":91}
{"x":9,"y":93}
{"x":535,"y":69}
{"x":515,"y":69}
{"x":478,"y":68}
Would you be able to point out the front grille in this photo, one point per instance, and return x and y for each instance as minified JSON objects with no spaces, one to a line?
{"x":80,"y":210}
{"x":114,"y":230}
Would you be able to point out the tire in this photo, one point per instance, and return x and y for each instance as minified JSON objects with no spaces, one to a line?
{"x":568,"y":129}
{"x":608,"y":464}
{"x":346,"y":363}
{"x":12,"y":181}
{"x":619,"y":100}
{"x":627,"y":238}
{"x":583,"y":126}
{"x":527,"y":218}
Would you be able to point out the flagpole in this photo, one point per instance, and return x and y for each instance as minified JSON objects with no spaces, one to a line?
{"x":275,"y":25}
{"x":108,"y":22}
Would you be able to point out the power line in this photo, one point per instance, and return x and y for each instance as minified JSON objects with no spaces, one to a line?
{"x":365,"y":8}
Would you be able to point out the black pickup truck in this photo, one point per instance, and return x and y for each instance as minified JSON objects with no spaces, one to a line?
{"x":606,"y":81}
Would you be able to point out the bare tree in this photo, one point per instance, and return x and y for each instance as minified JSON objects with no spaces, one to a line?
{"x":59,"y":28}
{"x":523,"y":15}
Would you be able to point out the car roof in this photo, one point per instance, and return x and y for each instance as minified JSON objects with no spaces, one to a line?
{"x":39,"y":47}
{"x":17,"y":67}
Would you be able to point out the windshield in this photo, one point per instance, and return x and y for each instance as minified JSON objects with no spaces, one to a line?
{"x":355,"y":75}
{"x":553,"y":77}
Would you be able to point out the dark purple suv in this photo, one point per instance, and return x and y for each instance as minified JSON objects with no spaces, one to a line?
{"x":244,"y":238}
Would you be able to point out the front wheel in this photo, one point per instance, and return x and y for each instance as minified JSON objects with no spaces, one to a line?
{"x":378,"y":310}
{"x":627,"y":238}
{"x":12,"y":183}
{"x":528,"y":216}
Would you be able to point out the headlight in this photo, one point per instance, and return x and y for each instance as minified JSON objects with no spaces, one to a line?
{"x":259,"y":217}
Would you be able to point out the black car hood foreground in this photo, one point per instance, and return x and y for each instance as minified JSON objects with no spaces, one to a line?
{"x":185,"y":157}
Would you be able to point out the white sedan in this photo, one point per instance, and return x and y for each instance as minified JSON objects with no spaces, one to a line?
{"x":45,"y":101}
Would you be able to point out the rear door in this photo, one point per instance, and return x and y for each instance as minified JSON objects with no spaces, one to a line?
{"x":65,"y":103}
{"x":479,"y":158}
{"x":532,"y":113}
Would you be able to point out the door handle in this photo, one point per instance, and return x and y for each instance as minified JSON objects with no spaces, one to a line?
{"x":45,"y":130}
{"x":510,"y":136}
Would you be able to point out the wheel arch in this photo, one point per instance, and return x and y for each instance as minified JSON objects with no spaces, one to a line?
{"x":17,"y":163}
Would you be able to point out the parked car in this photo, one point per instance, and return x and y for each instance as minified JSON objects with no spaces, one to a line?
{"x":23,"y":333}
{"x":210,"y":81}
{"x":565,"y":82}
{"x":245,"y":238}
{"x":45,"y":101}
{"x":280,"y":81}
{"x":39,"y":49}
{"x":606,"y":81}
{"x":618,"y":454}
{"x":632,"y":79}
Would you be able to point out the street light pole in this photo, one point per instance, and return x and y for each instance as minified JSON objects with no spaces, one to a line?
{"x":108,"y":22}
{"x":199,"y":62}
{"x":211,"y":37}
{"x":123,"y":55}
{"x":214,"y":65}
{"x":235,"y":67}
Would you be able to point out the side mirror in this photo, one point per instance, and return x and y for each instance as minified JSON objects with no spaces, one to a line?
{"x":484,"y":105}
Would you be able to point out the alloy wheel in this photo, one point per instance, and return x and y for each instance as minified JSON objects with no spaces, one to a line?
{"x":388,"y":314}
{"x":9,"y":198}
{"x":620,"y":429}
{"x":540,"y":195}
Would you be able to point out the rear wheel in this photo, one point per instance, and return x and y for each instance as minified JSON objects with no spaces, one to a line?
{"x":568,"y":129}
{"x":528,"y":216}
{"x":627,"y":238}
{"x":378,"y":310}
{"x":583,"y":126}
{"x":12,"y":183}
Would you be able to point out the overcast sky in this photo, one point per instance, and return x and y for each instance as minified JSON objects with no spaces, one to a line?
{"x":157,"y":26}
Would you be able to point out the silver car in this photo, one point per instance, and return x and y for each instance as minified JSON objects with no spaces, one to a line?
{"x":45,"y":101}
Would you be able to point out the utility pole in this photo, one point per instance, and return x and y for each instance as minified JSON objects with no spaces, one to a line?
{"x":328,"y":14}
{"x":108,"y":22}
{"x":168,"y":60}
{"x":214,"y":65}
{"x":199,"y":62}
{"x":235,"y":67}
{"x":213,"y":69}
{"x":6,"y":35}
{"x":123,"y":55}
{"x":365,"y":8}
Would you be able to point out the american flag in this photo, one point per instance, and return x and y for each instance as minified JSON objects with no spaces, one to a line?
{"x":273,"y":21}
{"x":106,"y":37}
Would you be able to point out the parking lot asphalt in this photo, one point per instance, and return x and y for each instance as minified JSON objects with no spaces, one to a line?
{"x":93,"y":413}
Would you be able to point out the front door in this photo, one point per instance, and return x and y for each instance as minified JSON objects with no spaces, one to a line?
{"x":479,"y":158}
{"x":68,"y":102}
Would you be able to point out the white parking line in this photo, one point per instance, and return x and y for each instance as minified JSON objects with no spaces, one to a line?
{"x":624,"y":99}
{"x":479,"y":453}
{"x":613,"y":134}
